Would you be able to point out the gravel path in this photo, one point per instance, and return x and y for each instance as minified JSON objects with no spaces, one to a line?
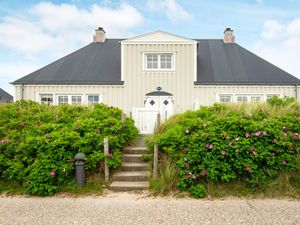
{"x":123,"y":208}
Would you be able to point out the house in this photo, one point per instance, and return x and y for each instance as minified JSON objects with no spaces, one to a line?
{"x":5,"y":97}
{"x":157,"y":72}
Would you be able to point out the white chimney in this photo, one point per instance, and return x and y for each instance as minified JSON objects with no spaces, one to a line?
{"x":99,"y":35}
{"x":228,"y":36}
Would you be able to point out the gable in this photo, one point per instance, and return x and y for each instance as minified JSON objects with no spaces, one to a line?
{"x":159,"y":37}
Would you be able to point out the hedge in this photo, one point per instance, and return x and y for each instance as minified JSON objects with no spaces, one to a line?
{"x":38,"y":142}
{"x":223,"y":143}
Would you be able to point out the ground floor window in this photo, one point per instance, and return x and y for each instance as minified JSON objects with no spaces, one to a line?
{"x":72,"y":99}
{"x":63,"y":99}
{"x":93,"y":99}
{"x":46,"y":99}
{"x":243,"y":98}
{"x":76,"y":100}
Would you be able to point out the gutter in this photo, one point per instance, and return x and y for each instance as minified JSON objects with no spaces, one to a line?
{"x":22,"y":91}
{"x":296,"y":92}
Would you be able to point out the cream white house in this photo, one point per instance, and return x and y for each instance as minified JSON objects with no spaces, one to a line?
{"x":157,"y":72}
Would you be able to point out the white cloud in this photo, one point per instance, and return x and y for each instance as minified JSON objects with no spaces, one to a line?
{"x":173,"y":10}
{"x":284,"y":51}
{"x":47,"y":28}
{"x":272,"y":29}
{"x":47,"y":31}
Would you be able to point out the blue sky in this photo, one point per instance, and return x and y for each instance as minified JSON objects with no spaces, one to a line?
{"x":34,"y":33}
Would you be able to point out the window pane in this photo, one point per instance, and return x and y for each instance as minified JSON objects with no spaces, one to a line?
{"x":93,"y":99}
{"x":255,"y":98}
{"x":76,"y":100}
{"x":241,"y":98}
{"x":152,"y":61}
{"x":47,"y":99}
{"x":225,"y":98}
{"x":166,"y":61}
{"x":62,"y":100}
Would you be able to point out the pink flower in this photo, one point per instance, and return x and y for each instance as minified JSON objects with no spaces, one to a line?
{"x":185,"y":150}
{"x":248,"y":134}
{"x":296,"y":136}
{"x":204,"y":172}
{"x":186,"y":165}
{"x":230,"y":143}
{"x":109,"y":155}
{"x":257,"y":133}
{"x":211,"y":146}
{"x":223,"y":152}
{"x":275,"y":140}
{"x":190,"y":175}
{"x":254,"y":153}
{"x":291,"y":147}
{"x":273,"y":154}
{"x":57,"y":116}
{"x":52,"y":173}
{"x":250,"y":116}
{"x":249,"y":169}
{"x":206,"y":145}
{"x":7,"y":141}
{"x":298,"y":117}
{"x":284,"y":162}
{"x":227,"y":137}
{"x":251,"y":149}
{"x":285,"y":133}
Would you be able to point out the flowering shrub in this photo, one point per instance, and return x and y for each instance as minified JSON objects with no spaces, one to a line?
{"x":38,"y":142}
{"x":224,"y":143}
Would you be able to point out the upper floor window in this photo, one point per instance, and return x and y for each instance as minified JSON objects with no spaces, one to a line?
{"x":159,"y":61}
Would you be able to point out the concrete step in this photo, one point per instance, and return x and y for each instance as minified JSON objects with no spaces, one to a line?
{"x":138,"y":142}
{"x":132,"y":158}
{"x":130,"y":176}
{"x":129,"y":186}
{"x":134,"y":150}
{"x":134,"y":167}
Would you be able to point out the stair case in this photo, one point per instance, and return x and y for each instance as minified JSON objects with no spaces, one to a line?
{"x":133,"y":174}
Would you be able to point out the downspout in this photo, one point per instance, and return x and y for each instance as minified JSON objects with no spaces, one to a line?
{"x":22,"y":91}
{"x":296,"y":92}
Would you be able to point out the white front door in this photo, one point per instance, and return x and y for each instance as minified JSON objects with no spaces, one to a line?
{"x":163,"y":103}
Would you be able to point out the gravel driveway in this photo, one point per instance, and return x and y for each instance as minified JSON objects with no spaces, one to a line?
{"x":123,"y":208}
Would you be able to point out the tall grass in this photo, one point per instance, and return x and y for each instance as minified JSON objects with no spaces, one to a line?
{"x":167,"y":180}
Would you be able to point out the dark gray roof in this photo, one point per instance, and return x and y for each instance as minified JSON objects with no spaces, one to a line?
{"x":218,"y":63}
{"x":5,"y":97}
{"x":159,"y":93}
{"x":96,"y":63}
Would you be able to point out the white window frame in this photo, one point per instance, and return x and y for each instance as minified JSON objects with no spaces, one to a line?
{"x":263,"y":96}
{"x":77,"y":98}
{"x":40,"y":98}
{"x":99,"y":98}
{"x":225,"y":95}
{"x":84,"y":97}
{"x":173,"y":60}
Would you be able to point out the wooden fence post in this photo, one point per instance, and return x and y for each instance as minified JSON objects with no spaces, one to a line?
{"x":155,"y":162}
{"x":123,"y":118}
{"x":158,"y":120}
{"x":106,"y":152}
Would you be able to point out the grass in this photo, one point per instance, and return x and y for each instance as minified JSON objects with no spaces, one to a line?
{"x":285,"y":186}
{"x":11,"y":188}
{"x":93,"y":186}
{"x":167,"y":180}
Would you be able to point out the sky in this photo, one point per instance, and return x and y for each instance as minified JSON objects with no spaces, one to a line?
{"x":35,"y":33}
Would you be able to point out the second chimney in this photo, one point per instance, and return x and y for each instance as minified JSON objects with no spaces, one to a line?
{"x":228,"y":36}
{"x":99,"y":35}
